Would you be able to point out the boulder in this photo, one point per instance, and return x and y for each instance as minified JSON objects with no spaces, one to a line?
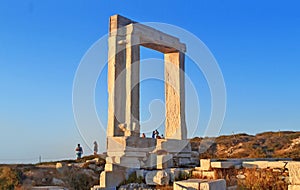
{"x":158,"y":177}
{"x":60,"y":167}
{"x":161,"y":178}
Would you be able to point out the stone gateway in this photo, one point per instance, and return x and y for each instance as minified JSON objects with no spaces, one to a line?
{"x":126,"y":150}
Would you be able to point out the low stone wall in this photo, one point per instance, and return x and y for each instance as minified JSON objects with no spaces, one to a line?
{"x":278,"y":173}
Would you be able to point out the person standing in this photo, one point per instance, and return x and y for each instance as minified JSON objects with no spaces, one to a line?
{"x":156,"y":132}
{"x":153,"y":134}
{"x":95,"y":148}
{"x":79,"y":151}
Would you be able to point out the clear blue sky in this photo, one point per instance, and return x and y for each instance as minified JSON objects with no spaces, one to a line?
{"x":256,"y":43}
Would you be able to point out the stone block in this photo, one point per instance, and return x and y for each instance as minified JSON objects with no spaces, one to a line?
{"x":176,"y":146}
{"x":195,"y":154}
{"x":131,"y":144}
{"x":129,"y":162}
{"x":223,"y":164}
{"x":192,"y":184}
{"x":127,"y":154}
{"x":157,"y":177}
{"x":164,"y":161}
{"x":116,"y":144}
{"x":183,"y":155}
{"x":111,"y":179}
{"x":205,"y":164}
{"x":277,"y":164}
{"x":115,"y":154}
{"x":219,"y":184}
{"x":113,"y":167}
{"x":138,"y":142}
{"x":184,"y":161}
{"x":97,"y":187}
{"x":294,"y":172}
{"x":200,"y":184}
{"x":150,"y":163}
{"x":161,"y":178}
{"x":293,"y":187}
{"x":255,"y":164}
{"x":135,"y":154}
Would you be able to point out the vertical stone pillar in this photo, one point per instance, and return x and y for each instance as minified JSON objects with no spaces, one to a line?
{"x":116,"y":75}
{"x":116,"y":86}
{"x":132,"y":112}
{"x":175,"y":126}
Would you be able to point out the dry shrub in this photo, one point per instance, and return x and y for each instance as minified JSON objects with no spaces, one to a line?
{"x":263,"y":179}
{"x":80,"y":181}
{"x":10,"y":178}
{"x":228,"y":174}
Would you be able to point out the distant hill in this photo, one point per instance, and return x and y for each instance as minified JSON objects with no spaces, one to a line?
{"x":284,"y":144}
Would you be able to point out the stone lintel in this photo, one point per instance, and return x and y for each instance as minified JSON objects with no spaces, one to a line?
{"x":150,"y":37}
{"x":118,"y":21}
{"x":155,"y":39}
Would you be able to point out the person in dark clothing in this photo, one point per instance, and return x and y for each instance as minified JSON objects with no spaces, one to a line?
{"x":153,"y":134}
{"x":95,"y":148}
{"x":79,"y":151}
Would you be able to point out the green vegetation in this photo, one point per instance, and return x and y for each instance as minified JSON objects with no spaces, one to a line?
{"x":132,"y":178}
{"x":183,"y":176}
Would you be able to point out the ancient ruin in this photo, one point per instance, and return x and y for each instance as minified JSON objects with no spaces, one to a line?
{"x":170,"y":160}
{"x":126,"y":150}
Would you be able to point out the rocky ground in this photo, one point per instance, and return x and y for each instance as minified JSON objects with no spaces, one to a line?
{"x":284,"y":144}
{"x":72,"y":174}
{"x":83,"y":174}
